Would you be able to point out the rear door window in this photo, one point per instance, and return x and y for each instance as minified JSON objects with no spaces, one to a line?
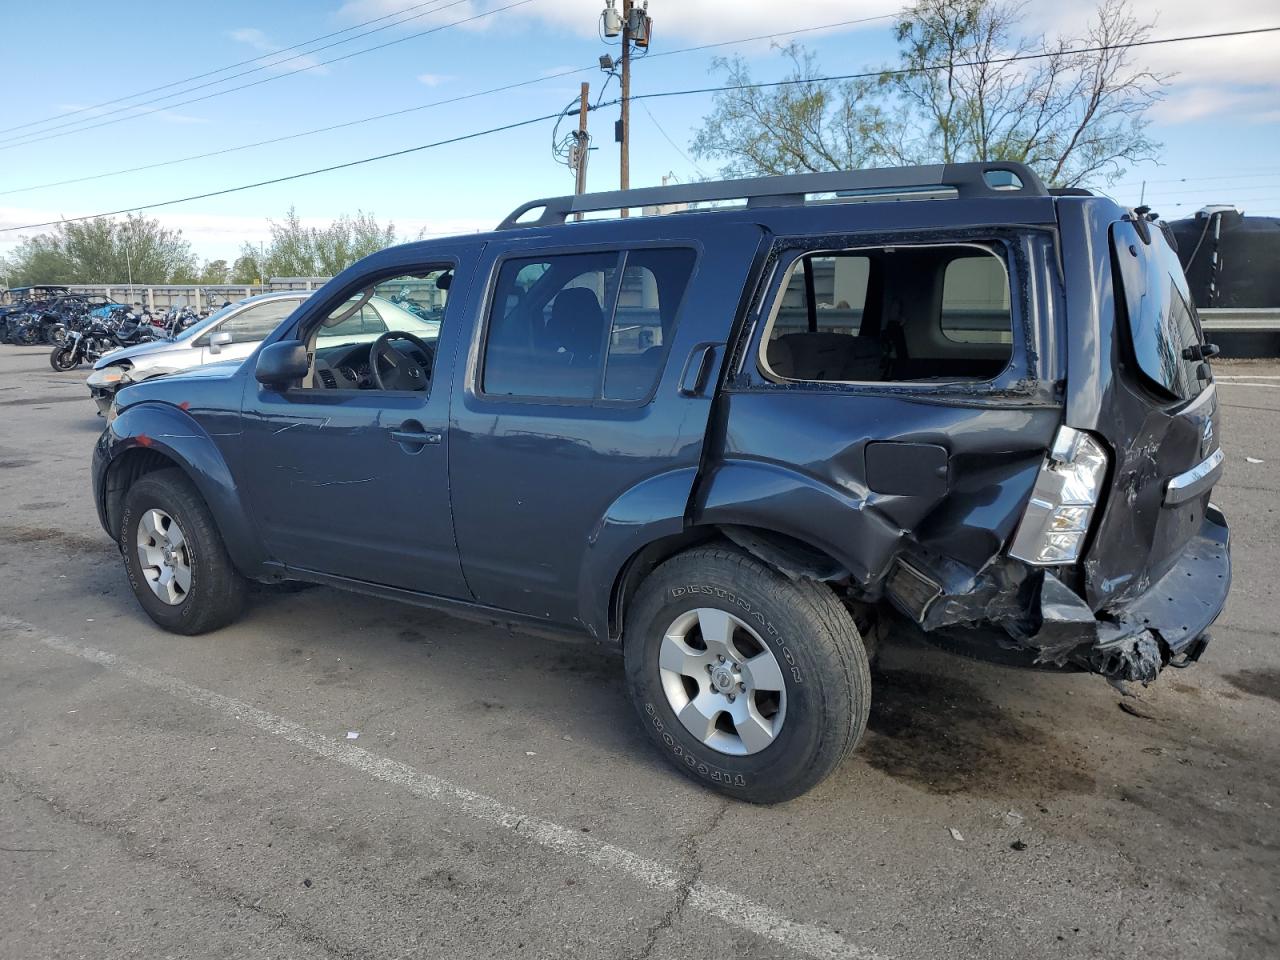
{"x":583,"y":326}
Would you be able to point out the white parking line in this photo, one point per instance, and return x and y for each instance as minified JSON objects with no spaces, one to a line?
{"x":724,"y":905}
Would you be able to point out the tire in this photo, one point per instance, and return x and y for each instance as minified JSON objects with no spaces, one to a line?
{"x":815,"y":720}
{"x":63,"y":358}
{"x":214,"y":593}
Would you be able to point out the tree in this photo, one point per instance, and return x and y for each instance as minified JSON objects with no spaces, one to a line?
{"x":245,"y":269}
{"x":103,"y":250}
{"x":804,"y":126}
{"x":214,"y":272}
{"x":1073,"y":108}
{"x":297,"y":250}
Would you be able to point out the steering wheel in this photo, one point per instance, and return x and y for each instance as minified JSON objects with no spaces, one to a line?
{"x":405,"y":373}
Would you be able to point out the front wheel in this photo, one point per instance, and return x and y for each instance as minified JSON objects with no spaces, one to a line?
{"x":177,"y":564}
{"x":750,"y":683}
{"x":64,"y":358}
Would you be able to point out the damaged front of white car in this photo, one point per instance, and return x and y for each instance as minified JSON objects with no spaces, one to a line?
{"x":231,"y":333}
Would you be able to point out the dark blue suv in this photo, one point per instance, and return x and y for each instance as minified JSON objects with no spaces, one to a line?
{"x":742,"y":441}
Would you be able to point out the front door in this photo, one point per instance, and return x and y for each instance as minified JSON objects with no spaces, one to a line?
{"x":349,"y":471}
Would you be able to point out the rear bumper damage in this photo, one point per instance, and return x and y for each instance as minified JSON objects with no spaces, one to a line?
{"x":1039,"y":616}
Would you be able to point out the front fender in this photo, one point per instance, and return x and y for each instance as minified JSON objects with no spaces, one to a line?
{"x":170,"y":432}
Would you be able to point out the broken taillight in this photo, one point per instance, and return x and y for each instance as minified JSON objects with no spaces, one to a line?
{"x":1056,"y":522}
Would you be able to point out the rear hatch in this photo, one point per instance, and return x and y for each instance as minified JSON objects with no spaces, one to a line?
{"x":1159,"y":413}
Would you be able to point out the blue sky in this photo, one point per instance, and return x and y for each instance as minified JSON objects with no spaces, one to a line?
{"x":1220,"y":121}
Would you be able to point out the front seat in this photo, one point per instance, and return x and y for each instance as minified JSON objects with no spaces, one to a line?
{"x":576,"y":328}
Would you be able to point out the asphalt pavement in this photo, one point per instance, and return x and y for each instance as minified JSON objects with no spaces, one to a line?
{"x":337,"y":776}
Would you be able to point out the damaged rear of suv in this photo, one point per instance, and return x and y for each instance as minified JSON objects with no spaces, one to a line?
{"x":741,"y":442}
{"x":1007,"y":432}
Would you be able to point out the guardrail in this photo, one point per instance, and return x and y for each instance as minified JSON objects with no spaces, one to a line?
{"x":1243,"y":332}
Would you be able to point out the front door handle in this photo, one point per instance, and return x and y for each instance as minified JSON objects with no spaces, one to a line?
{"x":412,"y":436}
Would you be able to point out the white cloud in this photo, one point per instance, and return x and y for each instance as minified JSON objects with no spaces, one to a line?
{"x":434,"y":79}
{"x":690,"y":20}
{"x":1233,"y":76}
{"x":288,"y":59}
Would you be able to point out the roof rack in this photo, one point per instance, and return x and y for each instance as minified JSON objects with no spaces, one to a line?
{"x":968,"y":180}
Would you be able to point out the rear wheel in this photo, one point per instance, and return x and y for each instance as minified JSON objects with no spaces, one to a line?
{"x":63,"y":357}
{"x":177,"y":564}
{"x":750,"y":683}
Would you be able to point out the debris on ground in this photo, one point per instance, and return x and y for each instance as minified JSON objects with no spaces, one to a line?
{"x":1017,"y":845}
{"x":956,"y":834}
{"x":1137,"y":708}
{"x":1253,"y":460}
{"x":353,"y":734}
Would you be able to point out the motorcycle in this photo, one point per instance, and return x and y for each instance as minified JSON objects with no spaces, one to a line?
{"x":83,"y":345}
{"x":100,"y":338}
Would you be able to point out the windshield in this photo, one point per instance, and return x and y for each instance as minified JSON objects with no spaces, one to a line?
{"x":1163,"y":325}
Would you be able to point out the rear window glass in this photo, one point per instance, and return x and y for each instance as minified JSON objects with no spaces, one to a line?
{"x":975,"y":301}
{"x":891,"y":314}
{"x":1162,"y":322}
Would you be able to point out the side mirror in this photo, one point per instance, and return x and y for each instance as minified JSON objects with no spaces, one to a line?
{"x":282,"y":364}
{"x":222,"y":338}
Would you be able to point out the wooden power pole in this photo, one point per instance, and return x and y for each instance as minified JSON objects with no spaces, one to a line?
{"x":580,"y":186}
{"x":624,"y":124}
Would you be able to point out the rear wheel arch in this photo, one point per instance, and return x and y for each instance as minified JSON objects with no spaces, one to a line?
{"x":793,"y":558}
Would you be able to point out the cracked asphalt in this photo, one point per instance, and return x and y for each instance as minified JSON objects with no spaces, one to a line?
{"x":168,"y":796}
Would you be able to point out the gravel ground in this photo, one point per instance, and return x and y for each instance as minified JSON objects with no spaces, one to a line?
{"x":170,"y":796}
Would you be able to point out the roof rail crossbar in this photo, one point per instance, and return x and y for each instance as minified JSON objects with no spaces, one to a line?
{"x":968,"y":180}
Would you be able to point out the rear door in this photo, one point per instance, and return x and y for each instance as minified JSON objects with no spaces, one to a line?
{"x":583,"y":383}
{"x":1149,"y":393}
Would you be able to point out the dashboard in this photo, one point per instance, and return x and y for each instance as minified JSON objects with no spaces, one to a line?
{"x":346,"y":366}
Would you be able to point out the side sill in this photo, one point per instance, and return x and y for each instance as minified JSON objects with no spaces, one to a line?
{"x":463,"y":609}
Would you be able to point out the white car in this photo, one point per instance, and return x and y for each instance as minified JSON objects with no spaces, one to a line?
{"x":233,"y":333}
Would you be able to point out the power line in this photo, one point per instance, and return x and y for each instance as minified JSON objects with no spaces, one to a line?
{"x":230,"y":66}
{"x":771,"y":36}
{"x":10,"y":145}
{"x":675,"y":146}
{"x":647,"y":96}
{"x":1228,"y":176}
{"x":904,"y":71}
{"x":293,"y":176}
{"x":304,"y":133}
{"x":436,"y":103}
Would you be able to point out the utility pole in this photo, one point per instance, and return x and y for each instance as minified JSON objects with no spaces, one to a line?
{"x":624,"y":123}
{"x":581,"y":184}
{"x":635,"y":26}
